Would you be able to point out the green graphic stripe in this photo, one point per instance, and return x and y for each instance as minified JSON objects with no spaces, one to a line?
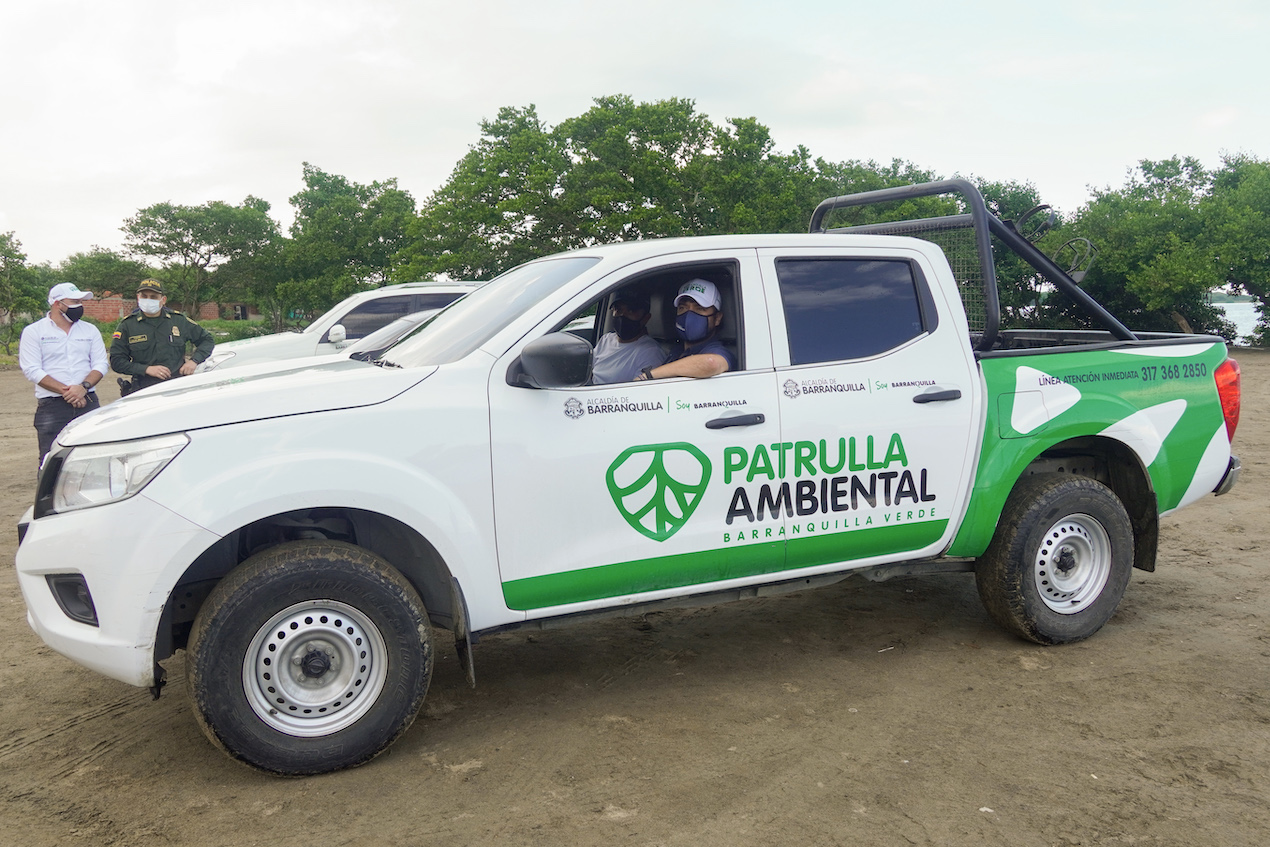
{"x":1006,"y":454}
{"x":743,"y":559}
{"x":861,"y":543}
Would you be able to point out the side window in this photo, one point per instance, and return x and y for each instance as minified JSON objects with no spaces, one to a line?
{"x":432,"y":301}
{"x":839,"y":309}
{"x":620,"y":360}
{"x":373,"y":314}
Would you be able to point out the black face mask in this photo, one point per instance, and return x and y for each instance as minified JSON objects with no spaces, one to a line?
{"x":627,"y":329}
{"x":74,"y":313}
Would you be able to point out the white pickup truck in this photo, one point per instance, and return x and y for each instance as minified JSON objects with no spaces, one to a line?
{"x":300,"y":532}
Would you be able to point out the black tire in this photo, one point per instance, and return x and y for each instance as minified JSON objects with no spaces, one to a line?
{"x":351,"y":635}
{"x":1060,"y":561}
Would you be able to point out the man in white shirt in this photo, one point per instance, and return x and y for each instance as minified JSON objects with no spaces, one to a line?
{"x":65,"y":359}
{"x":621,"y":355}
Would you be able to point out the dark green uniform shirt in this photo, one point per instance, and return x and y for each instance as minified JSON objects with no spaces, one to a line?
{"x":141,"y":341}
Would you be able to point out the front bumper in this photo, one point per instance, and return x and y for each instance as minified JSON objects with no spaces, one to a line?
{"x":130,"y":554}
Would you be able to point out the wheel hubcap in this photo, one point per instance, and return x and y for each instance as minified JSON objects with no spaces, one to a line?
{"x":314,"y":668}
{"x":315,"y":663}
{"x":1073,"y":564}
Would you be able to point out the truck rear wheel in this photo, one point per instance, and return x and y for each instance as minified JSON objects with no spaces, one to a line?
{"x":310,"y":657}
{"x":1060,"y":561}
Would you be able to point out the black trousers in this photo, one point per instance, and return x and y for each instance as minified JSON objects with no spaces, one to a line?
{"x":53,"y":413}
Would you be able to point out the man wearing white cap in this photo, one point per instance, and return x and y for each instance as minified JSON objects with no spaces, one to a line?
{"x":699,"y":314}
{"x":65,"y":359}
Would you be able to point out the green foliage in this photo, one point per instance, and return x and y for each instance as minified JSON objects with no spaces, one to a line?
{"x":193,"y":242}
{"x":104,"y":272}
{"x":20,"y":293}
{"x":635,"y":170}
{"x":223,"y":330}
{"x":344,"y":240}
{"x":1237,"y":216}
{"x":1174,"y":233}
{"x":498,"y":209}
{"x":620,"y":171}
{"x":1020,"y":289}
{"x":1151,"y":269}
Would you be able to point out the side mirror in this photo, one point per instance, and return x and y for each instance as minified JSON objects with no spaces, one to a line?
{"x":337,"y":334}
{"x":558,"y":360}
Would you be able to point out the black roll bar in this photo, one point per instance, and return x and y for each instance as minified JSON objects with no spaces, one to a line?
{"x":1059,"y":277}
{"x":985,"y":225}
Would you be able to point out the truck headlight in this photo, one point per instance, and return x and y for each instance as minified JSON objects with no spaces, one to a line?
{"x":104,"y":473}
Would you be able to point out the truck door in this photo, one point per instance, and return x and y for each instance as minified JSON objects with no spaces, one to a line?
{"x":879,"y":406}
{"x":611,"y":491}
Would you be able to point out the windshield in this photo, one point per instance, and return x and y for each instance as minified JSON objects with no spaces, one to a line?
{"x":471,"y":321}
{"x":313,"y":327}
{"x":382,"y":337}
{"x":374,"y":345}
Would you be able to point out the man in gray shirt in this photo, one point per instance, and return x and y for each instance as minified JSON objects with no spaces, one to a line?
{"x":621,"y":355}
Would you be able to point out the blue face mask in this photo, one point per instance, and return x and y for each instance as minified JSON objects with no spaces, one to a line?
{"x":692,"y":327}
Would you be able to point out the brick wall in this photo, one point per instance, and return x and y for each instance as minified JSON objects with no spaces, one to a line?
{"x":107,"y":309}
{"x":115,"y":307}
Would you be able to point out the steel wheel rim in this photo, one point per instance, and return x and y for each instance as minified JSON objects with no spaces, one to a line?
{"x":315,"y":668}
{"x":1073,"y":564}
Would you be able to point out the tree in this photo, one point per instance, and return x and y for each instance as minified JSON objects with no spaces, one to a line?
{"x":499,"y":207}
{"x":193,"y":241}
{"x":19,"y":290}
{"x":1237,"y":227}
{"x":1152,"y":270}
{"x":258,"y":278}
{"x":344,"y":238}
{"x":751,"y":188}
{"x":622,"y":170}
{"x":103,"y":271}
{"x":1021,"y":291}
{"x":636,"y":170}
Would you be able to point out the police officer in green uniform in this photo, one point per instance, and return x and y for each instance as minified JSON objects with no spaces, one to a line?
{"x":149,"y":344}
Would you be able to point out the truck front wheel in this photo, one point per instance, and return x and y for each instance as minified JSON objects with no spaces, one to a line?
{"x":1060,"y":561}
{"x":310,"y":657}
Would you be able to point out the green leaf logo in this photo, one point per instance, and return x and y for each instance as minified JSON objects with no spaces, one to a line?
{"x":657,"y":487}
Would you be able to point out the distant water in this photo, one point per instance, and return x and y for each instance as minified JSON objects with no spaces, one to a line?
{"x":1242,"y":315}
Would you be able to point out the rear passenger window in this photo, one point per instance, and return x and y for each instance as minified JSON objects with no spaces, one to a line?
{"x":848,"y":308}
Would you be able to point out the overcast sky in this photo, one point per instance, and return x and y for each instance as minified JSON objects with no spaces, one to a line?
{"x":108,"y":107}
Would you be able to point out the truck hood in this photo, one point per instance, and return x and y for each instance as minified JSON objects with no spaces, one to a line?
{"x":267,"y":348}
{"x":250,"y":393}
{"x":262,"y":340}
{"x":276,"y":341}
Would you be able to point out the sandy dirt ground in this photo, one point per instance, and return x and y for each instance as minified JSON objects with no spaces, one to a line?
{"x":892,"y":713}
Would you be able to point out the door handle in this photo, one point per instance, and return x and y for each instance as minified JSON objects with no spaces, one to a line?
{"x":938,"y":396}
{"x":735,"y":420}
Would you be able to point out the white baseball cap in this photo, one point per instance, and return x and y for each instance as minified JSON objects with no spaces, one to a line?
{"x":702,"y":291}
{"x":67,"y":291}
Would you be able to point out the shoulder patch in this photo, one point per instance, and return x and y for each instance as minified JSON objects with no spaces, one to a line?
{"x":117,"y":334}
